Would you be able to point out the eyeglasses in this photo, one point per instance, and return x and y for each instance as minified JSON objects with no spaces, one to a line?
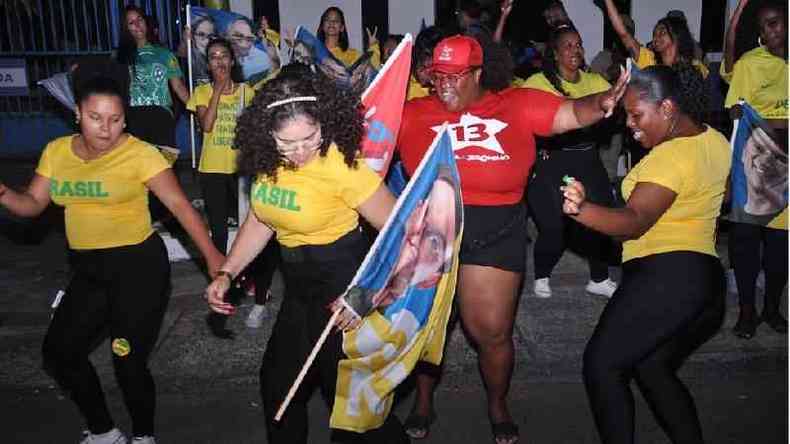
{"x":289,"y":147}
{"x":440,"y":77}
{"x":204,"y":35}
{"x":242,"y":38}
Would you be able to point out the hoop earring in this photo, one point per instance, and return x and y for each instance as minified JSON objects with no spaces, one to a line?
{"x":759,"y":41}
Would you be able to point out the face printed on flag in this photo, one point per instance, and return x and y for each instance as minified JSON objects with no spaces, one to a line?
{"x":309,"y":50}
{"x":403,"y":291}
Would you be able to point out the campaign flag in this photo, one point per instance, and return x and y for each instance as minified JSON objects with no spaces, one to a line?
{"x":252,"y":53}
{"x":758,"y":179}
{"x":59,"y":85}
{"x":403,"y":291}
{"x":309,"y":50}
{"x":383,"y":101}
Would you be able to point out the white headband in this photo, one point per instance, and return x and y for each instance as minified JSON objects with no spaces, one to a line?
{"x":291,"y":100}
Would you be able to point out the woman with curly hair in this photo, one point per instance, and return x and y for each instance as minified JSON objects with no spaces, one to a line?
{"x":672,"y":41}
{"x":575,"y":154}
{"x":671,"y":298}
{"x":301,"y":137}
{"x":493,"y":128}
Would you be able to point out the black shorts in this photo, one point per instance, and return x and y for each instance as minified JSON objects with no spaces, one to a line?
{"x":495,"y":236}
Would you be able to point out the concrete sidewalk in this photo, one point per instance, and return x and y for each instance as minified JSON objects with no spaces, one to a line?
{"x":208,"y":386}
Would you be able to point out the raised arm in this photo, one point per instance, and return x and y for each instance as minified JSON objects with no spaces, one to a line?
{"x":631,"y":44}
{"x":729,"y":36}
{"x":585,"y":111}
{"x":29,"y":203}
{"x":506,"y":7}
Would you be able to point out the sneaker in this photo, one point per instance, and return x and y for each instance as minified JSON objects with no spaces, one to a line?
{"x":143,"y":440}
{"x":542,"y":289}
{"x":256,"y":316}
{"x":114,"y":436}
{"x":603,"y":288}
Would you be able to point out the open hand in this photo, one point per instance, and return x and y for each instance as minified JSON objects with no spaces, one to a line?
{"x":608,"y":100}
{"x":506,"y":7}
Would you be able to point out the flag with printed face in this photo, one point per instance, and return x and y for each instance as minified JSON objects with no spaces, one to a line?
{"x":403,"y":291}
{"x":383,"y":101}
{"x":758,"y":179}
{"x":309,"y":50}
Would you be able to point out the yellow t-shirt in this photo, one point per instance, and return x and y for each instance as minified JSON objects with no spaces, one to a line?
{"x":261,"y":83}
{"x":416,"y":90}
{"x":217,"y":155}
{"x":760,"y":78}
{"x":349,"y":56}
{"x":105,"y":199}
{"x":696,"y":169}
{"x":648,"y":58}
{"x":589,"y":83}
{"x":314,"y":204}
{"x":723,"y":73}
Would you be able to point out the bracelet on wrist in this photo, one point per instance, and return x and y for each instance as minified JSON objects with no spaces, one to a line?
{"x":225,"y":273}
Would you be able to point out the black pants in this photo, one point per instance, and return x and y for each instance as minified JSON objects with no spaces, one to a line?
{"x":220,"y":195}
{"x":314,"y":276}
{"x":123,"y":290}
{"x":666,"y":306}
{"x":745,"y":242}
{"x":262,"y":270}
{"x":555,"y":229}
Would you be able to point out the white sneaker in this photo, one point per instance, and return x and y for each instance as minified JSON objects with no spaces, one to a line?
{"x":143,"y":440}
{"x":542,"y":289}
{"x":114,"y":436}
{"x":604,"y":288}
{"x":256,"y":316}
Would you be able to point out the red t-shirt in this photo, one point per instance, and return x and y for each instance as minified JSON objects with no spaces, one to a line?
{"x":493,"y":140}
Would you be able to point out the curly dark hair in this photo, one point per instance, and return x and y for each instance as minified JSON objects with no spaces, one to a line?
{"x":680,"y":83}
{"x":339,"y":112}
{"x":549,"y":66}
{"x":679,"y":32}
{"x":342,"y":41}
{"x":497,"y":62}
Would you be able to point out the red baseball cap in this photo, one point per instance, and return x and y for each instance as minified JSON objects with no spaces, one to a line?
{"x":456,"y":54}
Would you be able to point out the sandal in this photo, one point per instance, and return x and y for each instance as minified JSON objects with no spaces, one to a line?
{"x":418,"y":426}
{"x":505,"y":432}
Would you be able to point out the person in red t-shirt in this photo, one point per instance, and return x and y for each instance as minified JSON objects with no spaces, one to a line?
{"x":493,"y":128}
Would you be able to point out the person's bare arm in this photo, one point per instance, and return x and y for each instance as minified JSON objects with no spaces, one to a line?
{"x":28,"y":203}
{"x":377,"y":208}
{"x":207,"y":115}
{"x":647,"y":203}
{"x":177,"y":83}
{"x":584,"y":111}
{"x":505,"y":8}
{"x":628,"y":40}
{"x":729,"y":36}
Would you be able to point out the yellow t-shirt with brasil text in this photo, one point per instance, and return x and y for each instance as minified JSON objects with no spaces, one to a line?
{"x":696,"y":169}
{"x":217,"y":155}
{"x":105,"y":199}
{"x":314,"y":204}
{"x":589,"y":83}
{"x":648,"y":58}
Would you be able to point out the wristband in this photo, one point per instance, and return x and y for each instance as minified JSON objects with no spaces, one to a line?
{"x":225,"y":273}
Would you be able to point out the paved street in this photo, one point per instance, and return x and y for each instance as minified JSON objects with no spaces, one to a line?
{"x":208,"y":386}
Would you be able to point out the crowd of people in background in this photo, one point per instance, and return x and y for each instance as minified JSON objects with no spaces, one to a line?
{"x":548,"y":112}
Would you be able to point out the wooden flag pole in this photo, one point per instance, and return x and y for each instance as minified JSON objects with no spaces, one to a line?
{"x":307,"y":365}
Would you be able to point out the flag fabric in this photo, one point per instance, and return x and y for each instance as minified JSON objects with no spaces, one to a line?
{"x":241,"y":31}
{"x":309,"y":50}
{"x":59,"y":85}
{"x":758,"y":180}
{"x":403,"y":291}
{"x":383,"y":102}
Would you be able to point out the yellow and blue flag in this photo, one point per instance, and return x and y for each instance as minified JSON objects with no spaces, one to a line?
{"x":403,"y":291}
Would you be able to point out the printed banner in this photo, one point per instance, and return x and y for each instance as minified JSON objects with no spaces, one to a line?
{"x":252,"y":52}
{"x":307,"y":49}
{"x":383,"y":102}
{"x":759,"y":171}
{"x":403,"y":291}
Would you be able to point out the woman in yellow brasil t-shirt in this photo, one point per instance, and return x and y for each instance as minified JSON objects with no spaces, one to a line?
{"x":102,"y":177}
{"x":672,"y":42}
{"x":671,"y":298}
{"x":301,"y":137}
{"x":759,"y":78}
{"x":218,"y":105}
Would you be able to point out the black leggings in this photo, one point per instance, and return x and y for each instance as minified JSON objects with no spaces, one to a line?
{"x":744,"y":243}
{"x":314,"y":276}
{"x":220,"y":193}
{"x":555,"y":229}
{"x":666,"y":306}
{"x":123,"y":290}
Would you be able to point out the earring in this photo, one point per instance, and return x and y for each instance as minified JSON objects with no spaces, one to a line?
{"x":759,"y":40}
{"x":77,"y":119}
